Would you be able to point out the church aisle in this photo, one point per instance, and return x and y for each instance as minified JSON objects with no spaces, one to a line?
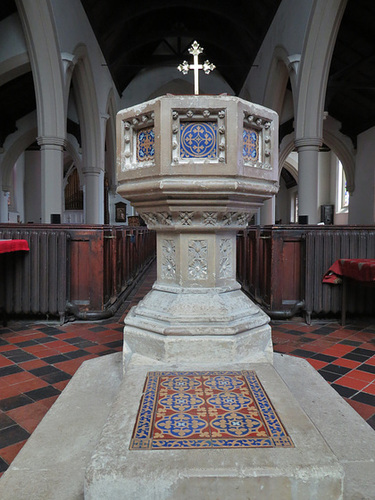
{"x":37,"y":361}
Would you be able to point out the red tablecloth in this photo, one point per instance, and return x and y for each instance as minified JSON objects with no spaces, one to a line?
{"x":357,"y":269}
{"x":13,"y":245}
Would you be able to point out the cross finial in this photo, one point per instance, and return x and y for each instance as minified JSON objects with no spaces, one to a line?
{"x":207,"y":67}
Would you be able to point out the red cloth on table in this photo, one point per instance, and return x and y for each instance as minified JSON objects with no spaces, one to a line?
{"x":13,"y":245}
{"x":357,"y":269}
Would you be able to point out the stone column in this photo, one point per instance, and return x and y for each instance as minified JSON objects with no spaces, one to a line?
{"x":308,"y":157}
{"x":93,"y":198}
{"x":4,"y":196}
{"x":52,"y":161}
{"x":267,"y":212}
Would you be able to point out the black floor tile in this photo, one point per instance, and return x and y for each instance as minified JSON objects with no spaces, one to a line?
{"x":50,"y":330}
{"x":2,"y":341}
{"x":74,"y":340}
{"x":341,"y":370}
{"x":363,"y":397}
{"x":329,"y":376}
{"x":20,"y":356}
{"x":324,"y":330}
{"x":366,"y":368}
{"x":3,"y":465}
{"x":27,"y":343}
{"x":53,"y":378}
{"x":371,"y":421}
{"x":42,"y":393}
{"x":45,"y":340}
{"x":350,"y":342}
{"x":58,"y":358}
{"x":12,"y":435}
{"x":76,"y":354}
{"x":363,"y":352}
{"x":9,"y":370}
{"x":325,"y":357}
{"x":98,"y":329}
{"x":355,"y":357}
{"x":116,"y":343}
{"x":85,"y":343}
{"x":44,"y":370}
{"x":14,"y":402}
{"x":5,"y":421}
{"x":345,"y":392}
{"x":108,"y":351}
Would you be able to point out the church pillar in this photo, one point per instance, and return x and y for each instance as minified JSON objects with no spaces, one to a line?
{"x":267,"y":212}
{"x":93,"y":195}
{"x":308,"y":156}
{"x":52,"y":157}
{"x":4,"y":196}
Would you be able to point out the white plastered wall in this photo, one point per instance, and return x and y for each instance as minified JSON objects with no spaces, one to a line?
{"x":362,"y":201}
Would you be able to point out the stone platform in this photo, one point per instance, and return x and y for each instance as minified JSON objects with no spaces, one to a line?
{"x":333,"y":444}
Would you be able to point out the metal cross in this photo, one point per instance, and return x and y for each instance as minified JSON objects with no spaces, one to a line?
{"x":207,"y":67}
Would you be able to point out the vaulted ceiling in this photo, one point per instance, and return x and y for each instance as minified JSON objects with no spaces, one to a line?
{"x":134,"y":36}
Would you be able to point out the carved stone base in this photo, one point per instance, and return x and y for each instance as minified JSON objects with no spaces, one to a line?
{"x":174,"y":324}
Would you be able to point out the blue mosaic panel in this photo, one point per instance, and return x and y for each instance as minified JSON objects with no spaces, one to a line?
{"x":198,"y":140}
{"x":250,"y":145}
{"x":145,"y":144}
{"x":218,"y":409}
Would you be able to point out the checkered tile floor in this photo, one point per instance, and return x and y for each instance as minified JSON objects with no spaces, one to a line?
{"x":37,"y":361}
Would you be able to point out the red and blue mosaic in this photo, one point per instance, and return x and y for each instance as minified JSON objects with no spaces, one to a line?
{"x":215,"y":409}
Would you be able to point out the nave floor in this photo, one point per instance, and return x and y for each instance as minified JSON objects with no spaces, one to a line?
{"x":37,"y":360}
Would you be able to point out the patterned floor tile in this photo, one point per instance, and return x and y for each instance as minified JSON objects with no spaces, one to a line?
{"x":223,"y":409}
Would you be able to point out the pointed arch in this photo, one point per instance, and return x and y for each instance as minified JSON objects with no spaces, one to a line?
{"x":40,"y":32}
{"x":314,"y":67}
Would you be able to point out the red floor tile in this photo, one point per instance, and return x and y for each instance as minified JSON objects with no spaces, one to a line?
{"x":317,"y":364}
{"x":353,"y":383}
{"x":10,"y":452}
{"x":347,"y":363}
{"x":28,"y":416}
{"x":370,"y":389}
{"x":366,"y":411}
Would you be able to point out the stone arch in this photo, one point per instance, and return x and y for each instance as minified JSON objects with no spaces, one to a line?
{"x":314,"y":67}
{"x":277,"y":80}
{"x":45,"y":59}
{"x":110,"y":140}
{"x":286,"y":147}
{"x":87,"y":105}
{"x":18,"y":146}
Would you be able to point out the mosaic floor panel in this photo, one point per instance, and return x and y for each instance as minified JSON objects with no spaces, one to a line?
{"x":217,"y":409}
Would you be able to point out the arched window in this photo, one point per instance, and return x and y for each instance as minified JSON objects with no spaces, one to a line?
{"x":342,"y":194}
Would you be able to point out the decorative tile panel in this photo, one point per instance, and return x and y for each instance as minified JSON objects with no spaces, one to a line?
{"x":198,"y":135}
{"x":214,"y":409}
{"x":138,"y":147}
{"x":145,"y":144}
{"x":197,"y":259}
{"x":198,"y":140}
{"x":250,"y":144}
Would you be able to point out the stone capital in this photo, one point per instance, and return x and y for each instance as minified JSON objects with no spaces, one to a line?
{"x":51,"y":142}
{"x":92,"y":170}
{"x":308,"y":143}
